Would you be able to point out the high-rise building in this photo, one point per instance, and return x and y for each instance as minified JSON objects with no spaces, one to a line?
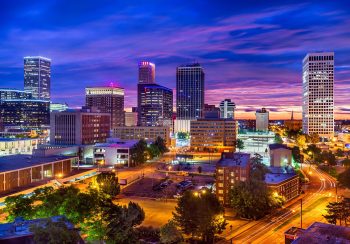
{"x":7,"y":94}
{"x":58,"y":107}
{"x":189,"y":92}
{"x":318,"y":94}
{"x":37,"y":77}
{"x":25,"y":113}
{"x":130,"y":118}
{"x":227,"y":109}
{"x":262,"y":120}
{"x":155,"y":105}
{"x":147,"y":72}
{"x":79,"y":127}
{"x":108,"y":100}
{"x":211,"y":111}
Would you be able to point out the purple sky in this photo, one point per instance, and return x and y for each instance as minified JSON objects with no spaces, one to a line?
{"x":251,"y":51}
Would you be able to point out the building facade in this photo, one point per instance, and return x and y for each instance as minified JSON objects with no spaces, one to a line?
{"x":25,"y":113}
{"x":60,"y":107}
{"x":213,"y":134}
{"x":147,"y":72}
{"x":79,"y":127}
{"x":280,"y":155}
{"x":262,"y":120}
{"x":189,"y":92}
{"x":155,"y":105}
{"x":149,"y":133}
{"x":318,"y":94}
{"x":286,"y":185}
{"x":12,"y":146}
{"x":9,"y":94}
{"x":107,"y":100}
{"x":130,"y":118}
{"x":227,"y":109}
{"x":211,"y":111}
{"x":37,"y":77}
{"x":231,"y":168}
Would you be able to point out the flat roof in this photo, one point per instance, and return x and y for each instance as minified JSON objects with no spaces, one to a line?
{"x":278,"y":146}
{"x":117,"y":144}
{"x":271,"y":178}
{"x":234,"y":159}
{"x":2,"y":139}
{"x":14,"y":162}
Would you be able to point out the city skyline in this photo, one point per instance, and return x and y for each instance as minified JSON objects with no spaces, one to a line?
{"x":250,"y":54}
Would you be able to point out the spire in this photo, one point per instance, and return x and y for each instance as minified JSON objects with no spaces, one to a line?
{"x":292,"y":117}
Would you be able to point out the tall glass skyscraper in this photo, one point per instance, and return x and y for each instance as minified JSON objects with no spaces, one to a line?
{"x":147,"y":72}
{"x":189,"y":92}
{"x":318,"y":94}
{"x":37,"y":77}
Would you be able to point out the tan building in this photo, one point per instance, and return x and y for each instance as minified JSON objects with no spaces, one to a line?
{"x":12,"y":146}
{"x":280,"y":155}
{"x":283,"y":184}
{"x":22,"y":170}
{"x":213,"y":134}
{"x":149,"y":133}
{"x":231,"y":168}
{"x":293,"y":124}
{"x":130,"y":118}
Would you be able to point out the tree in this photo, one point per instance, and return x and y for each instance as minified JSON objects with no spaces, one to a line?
{"x":153,"y":150}
{"x":108,"y":184}
{"x":296,"y":154}
{"x":338,"y":212}
{"x":258,"y":169}
{"x":314,"y":138}
{"x":301,"y":140}
{"x":278,"y":139}
{"x":138,"y":152}
{"x":328,"y":157}
{"x":169,"y":233}
{"x":54,"y":233}
{"x":161,"y":145}
{"x":346,"y":162}
{"x":344,"y":178}
{"x":199,"y":169}
{"x":200,"y":215}
{"x":339,"y":153}
{"x":19,"y":206}
{"x":239,"y":144}
{"x":182,"y":135}
{"x":314,"y":152}
{"x":252,"y":199}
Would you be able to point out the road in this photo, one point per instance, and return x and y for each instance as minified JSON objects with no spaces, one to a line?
{"x":271,"y":228}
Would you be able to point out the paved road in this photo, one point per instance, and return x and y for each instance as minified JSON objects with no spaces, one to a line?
{"x":271,"y":228}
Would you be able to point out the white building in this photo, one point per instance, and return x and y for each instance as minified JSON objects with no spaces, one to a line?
{"x":262,"y":120}
{"x":12,"y":146}
{"x":318,"y":94}
{"x":227,"y":109}
{"x":113,"y":152}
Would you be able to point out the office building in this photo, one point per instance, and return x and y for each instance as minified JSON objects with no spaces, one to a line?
{"x":79,"y":127}
{"x":37,"y":77}
{"x":25,"y":114}
{"x":155,"y":105}
{"x":213,"y":135}
{"x":9,"y":94}
{"x":262,"y":120}
{"x":231,"y":168}
{"x":147,"y":72}
{"x":227,"y":109}
{"x":130,"y":118}
{"x":108,"y":100}
{"x":318,"y":94}
{"x":280,"y":155}
{"x":211,"y":112}
{"x":149,"y":133}
{"x":22,"y":170}
{"x":115,"y":152}
{"x":189,"y":92}
{"x":60,"y":107}
{"x":12,"y":146}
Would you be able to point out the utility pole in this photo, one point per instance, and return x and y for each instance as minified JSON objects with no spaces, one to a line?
{"x":301,"y":213}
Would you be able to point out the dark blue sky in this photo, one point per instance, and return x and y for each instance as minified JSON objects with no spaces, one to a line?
{"x":251,"y":50}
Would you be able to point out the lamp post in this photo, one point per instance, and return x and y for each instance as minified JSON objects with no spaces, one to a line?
{"x":301,"y":213}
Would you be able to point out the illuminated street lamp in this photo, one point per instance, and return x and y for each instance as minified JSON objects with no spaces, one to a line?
{"x":60,"y":175}
{"x":196,"y":194}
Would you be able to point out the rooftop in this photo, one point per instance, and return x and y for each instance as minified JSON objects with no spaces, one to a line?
{"x":271,"y":178}
{"x":115,"y":143}
{"x":13,"y":162}
{"x":278,"y":146}
{"x":5,"y":139}
{"x":234,"y":159}
{"x":324,"y":233}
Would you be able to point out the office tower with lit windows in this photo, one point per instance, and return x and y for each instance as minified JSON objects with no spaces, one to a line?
{"x":318,"y":94}
{"x":147,"y":72}
{"x":189,"y":92}
{"x":155,"y":105}
{"x":227,"y":109}
{"x":37,"y":77}
{"x":107,"y":99}
{"x":262,"y":120}
{"x":8,"y":94}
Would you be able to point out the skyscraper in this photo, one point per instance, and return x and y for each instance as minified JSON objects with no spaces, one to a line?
{"x":262,"y":120}
{"x":147,"y":72}
{"x":318,"y":94}
{"x":227,"y":109}
{"x":155,"y":105}
{"x":189,"y":92}
{"x":37,"y":77}
{"x":107,"y":99}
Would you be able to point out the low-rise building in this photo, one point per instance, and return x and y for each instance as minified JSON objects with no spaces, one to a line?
{"x":282,"y":182}
{"x":114,"y":152}
{"x":295,"y":125}
{"x":12,"y":146}
{"x":213,"y":134}
{"x":231,"y":168}
{"x":318,"y":232}
{"x":22,"y":170}
{"x":149,"y":133}
{"x":280,"y":155}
